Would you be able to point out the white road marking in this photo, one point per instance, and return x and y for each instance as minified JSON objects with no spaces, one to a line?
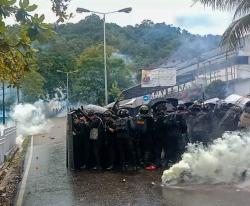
{"x":25,"y":177}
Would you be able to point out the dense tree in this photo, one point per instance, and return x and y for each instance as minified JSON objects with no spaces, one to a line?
{"x":32,"y":86}
{"x":51,"y":61}
{"x":90,"y":80}
{"x":133,"y":47}
{"x":16,"y":52}
{"x":146,"y":44}
{"x":114,"y":92}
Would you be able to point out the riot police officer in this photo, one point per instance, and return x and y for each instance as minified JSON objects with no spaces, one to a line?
{"x":199,"y":125}
{"x":77,"y":141}
{"x":96,"y":130}
{"x":125,"y":144}
{"x":245,"y":116}
{"x":144,"y":127}
{"x":109,"y":139}
{"x":160,"y":133}
{"x":171,"y":139}
{"x":181,"y":130}
{"x":84,"y":141}
{"x":230,"y":120}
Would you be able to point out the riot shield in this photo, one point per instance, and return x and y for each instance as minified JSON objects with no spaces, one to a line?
{"x":69,"y":143}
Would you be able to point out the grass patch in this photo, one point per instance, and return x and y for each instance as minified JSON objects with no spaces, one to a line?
{"x":12,"y":175}
{"x":18,"y":162}
{"x":25,"y":145}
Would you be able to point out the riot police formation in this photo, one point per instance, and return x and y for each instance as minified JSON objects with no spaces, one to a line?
{"x":156,"y":137}
{"x":124,"y":137}
{"x":144,"y":136}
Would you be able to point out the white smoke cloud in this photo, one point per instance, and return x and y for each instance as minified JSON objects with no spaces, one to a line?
{"x":225,"y":161}
{"x":30,"y":119}
{"x":1,"y":129}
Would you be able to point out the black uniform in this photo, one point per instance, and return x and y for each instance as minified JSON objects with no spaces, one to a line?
{"x":96,"y":130}
{"x":199,"y":126}
{"x":181,"y":132}
{"x":230,"y":120}
{"x":160,"y":131}
{"x":84,"y":143}
{"x":123,"y":126}
{"x":144,"y":127}
{"x":176,"y":126}
{"x":109,"y":146}
{"x":77,"y":143}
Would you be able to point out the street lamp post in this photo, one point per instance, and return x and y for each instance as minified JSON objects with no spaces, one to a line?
{"x":125,"y":10}
{"x":105,"y":60}
{"x":67,"y":90}
{"x":67,"y":85}
{"x":3,"y":104}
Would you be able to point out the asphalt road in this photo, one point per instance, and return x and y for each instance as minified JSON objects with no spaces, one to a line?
{"x":49,"y":183}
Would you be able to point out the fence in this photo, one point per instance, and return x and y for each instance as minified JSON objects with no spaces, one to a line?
{"x":7,"y":142}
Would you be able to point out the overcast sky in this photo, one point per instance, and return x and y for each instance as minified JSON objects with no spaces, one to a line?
{"x":196,"y":19}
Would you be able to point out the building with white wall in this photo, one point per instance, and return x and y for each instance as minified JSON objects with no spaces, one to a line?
{"x":232,"y":67}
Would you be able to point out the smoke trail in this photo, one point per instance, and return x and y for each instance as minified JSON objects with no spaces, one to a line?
{"x":1,"y":129}
{"x":30,"y":119}
{"x":225,"y":161}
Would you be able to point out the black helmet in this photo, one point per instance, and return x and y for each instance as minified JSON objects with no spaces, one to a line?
{"x":195,"y":108}
{"x":181,"y":107}
{"x":123,"y":113}
{"x":247,"y":107}
{"x":144,"y":109}
{"x":91,"y":113}
{"x":161,"y":107}
{"x":107,"y":114}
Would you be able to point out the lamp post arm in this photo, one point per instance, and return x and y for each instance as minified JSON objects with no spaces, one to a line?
{"x":3,"y":103}
{"x":105,"y":59}
{"x":111,"y":12}
{"x":103,"y":13}
{"x":68,"y":91}
{"x":97,"y":12}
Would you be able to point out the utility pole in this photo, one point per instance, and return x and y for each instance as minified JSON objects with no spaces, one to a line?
{"x":3,"y":104}
{"x":18,"y":94}
{"x":67,"y":84}
{"x":105,"y":59}
{"x":67,"y":91}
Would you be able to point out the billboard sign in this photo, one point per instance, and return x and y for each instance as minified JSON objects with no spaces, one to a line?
{"x":158,"y":77}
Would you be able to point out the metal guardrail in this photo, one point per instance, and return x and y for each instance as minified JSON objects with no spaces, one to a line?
{"x":7,"y":142}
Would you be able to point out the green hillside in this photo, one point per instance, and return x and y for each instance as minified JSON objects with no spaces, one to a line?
{"x":130,"y":48}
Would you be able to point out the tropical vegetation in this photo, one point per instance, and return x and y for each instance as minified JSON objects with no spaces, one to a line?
{"x":31,"y":52}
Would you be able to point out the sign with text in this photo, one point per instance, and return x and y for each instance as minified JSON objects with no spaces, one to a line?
{"x":158,"y":77}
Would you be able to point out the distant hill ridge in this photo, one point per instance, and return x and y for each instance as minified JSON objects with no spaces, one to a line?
{"x":147,"y":44}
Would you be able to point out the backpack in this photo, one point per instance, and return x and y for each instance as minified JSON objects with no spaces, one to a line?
{"x":141,"y":124}
{"x":93,"y":134}
{"x":122,"y":124}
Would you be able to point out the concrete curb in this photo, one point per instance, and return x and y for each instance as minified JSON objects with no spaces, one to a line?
{"x":9,"y":156}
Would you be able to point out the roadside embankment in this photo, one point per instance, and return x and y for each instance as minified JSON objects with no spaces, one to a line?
{"x":11,"y":174}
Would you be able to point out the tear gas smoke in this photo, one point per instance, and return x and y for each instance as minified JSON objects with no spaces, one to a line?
{"x":224,"y":161}
{"x":1,"y":129}
{"x":30,"y":119}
